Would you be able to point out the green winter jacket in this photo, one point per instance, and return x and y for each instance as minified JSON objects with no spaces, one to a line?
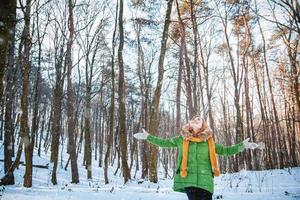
{"x":199,"y":167}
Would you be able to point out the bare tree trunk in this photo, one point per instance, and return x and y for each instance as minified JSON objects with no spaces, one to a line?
{"x":141,"y":72}
{"x":8,"y":124}
{"x":178,"y":89}
{"x":293,"y":52}
{"x":101,"y":129}
{"x":96,"y":124}
{"x":274,"y":140}
{"x":239,"y":125}
{"x":24,"y":130}
{"x":46,"y":141}
{"x":122,"y":101}
{"x":71,"y":121}
{"x":187,"y":71}
{"x":112,"y":101}
{"x":42,"y":129}
{"x":8,"y":178}
{"x":156,"y":97}
{"x":263,"y":118}
{"x":87,"y":137}
{"x":7,"y":18}
{"x":249,"y":119}
{"x":57,"y":115}
{"x":36,"y":100}
{"x":195,"y":62}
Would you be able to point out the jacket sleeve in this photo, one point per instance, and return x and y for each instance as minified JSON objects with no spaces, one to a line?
{"x":170,"y":142}
{"x":229,"y":150}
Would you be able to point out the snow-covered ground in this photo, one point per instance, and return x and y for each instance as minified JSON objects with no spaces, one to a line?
{"x":260,"y":185}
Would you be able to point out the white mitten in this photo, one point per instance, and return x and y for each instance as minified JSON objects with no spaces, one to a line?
{"x":141,"y":136}
{"x":249,"y":145}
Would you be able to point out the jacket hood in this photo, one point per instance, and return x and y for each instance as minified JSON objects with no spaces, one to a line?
{"x":197,"y":128}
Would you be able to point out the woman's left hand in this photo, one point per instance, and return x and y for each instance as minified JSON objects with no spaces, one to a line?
{"x":141,"y":136}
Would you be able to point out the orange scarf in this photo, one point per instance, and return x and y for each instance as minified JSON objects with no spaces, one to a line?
{"x":212,"y":155}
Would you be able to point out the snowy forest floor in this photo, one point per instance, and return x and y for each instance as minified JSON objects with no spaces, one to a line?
{"x":271,"y":184}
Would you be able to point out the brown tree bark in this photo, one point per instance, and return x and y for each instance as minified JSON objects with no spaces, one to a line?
{"x":156,"y":97}
{"x":43,"y":124}
{"x":141,"y":72}
{"x":24,"y":129}
{"x":122,"y":101}
{"x":70,"y":120}
{"x":7,"y":20}
{"x":266,"y":156}
{"x":293,"y":52}
{"x":8,"y":124}
{"x":187,"y":68}
{"x":36,"y":99}
{"x":56,"y":109}
{"x":273,"y":141}
{"x":246,"y":41}
{"x":236,"y":81}
{"x":195,"y":61}
{"x":178,"y":88}
{"x":109,"y":138}
{"x":8,"y":178}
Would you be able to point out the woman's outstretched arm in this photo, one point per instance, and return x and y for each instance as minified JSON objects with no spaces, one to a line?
{"x":229,"y":150}
{"x":170,"y":142}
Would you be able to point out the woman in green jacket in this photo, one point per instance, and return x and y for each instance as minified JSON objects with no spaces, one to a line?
{"x":196,"y":163}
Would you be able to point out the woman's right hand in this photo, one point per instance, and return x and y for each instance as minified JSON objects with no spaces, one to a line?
{"x":249,"y":145}
{"x":141,"y":136}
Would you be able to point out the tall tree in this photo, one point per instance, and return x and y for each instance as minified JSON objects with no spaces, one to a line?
{"x":24,"y":129}
{"x":57,"y":104}
{"x":153,"y":127}
{"x":195,"y":66}
{"x":90,"y":42}
{"x":187,"y":74}
{"x":289,"y":31}
{"x":112,"y":101}
{"x":144,"y":90}
{"x":236,"y":75}
{"x":8,"y":24}
{"x":71,"y":121}
{"x":36,"y":99}
{"x":121,"y":91}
